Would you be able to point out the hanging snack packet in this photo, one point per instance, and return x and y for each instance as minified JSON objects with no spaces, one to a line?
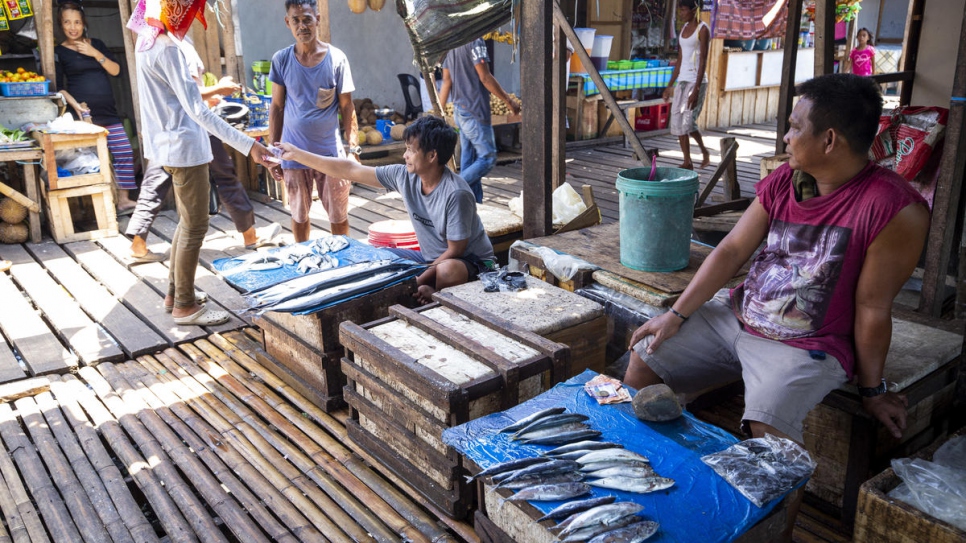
{"x":18,"y":9}
{"x":4,"y":24}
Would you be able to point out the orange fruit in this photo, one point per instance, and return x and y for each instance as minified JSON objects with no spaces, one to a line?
{"x":21,"y":70}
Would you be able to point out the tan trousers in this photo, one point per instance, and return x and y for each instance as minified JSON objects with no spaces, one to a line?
{"x":191,"y":197}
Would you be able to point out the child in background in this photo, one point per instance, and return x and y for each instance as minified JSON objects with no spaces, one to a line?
{"x":862,"y":58}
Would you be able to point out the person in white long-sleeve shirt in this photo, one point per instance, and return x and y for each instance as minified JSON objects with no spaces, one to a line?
{"x":175,"y":123}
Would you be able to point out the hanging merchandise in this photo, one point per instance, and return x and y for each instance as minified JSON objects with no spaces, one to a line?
{"x":17,"y":9}
{"x":4,"y":25}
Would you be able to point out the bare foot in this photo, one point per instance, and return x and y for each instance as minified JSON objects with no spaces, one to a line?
{"x":686,"y":166}
{"x":424,"y":294}
{"x":706,"y":161}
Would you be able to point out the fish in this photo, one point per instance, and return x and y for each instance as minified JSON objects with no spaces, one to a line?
{"x":551,"y":421}
{"x":549,"y":493}
{"x":543,"y":479}
{"x":632,"y":533}
{"x":597,"y":466}
{"x":546,"y":468}
{"x":602,"y":514}
{"x":551,"y":431}
{"x":334,"y":294}
{"x":560,"y":439}
{"x":589,"y":532}
{"x":635,"y":472}
{"x":640,"y":486}
{"x":611,"y":454}
{"x":571,"y":508}
{"x":530,"y":418}
{"x":572,"y":455}
{"x":583,"y":446}
{"x":506,"y":466}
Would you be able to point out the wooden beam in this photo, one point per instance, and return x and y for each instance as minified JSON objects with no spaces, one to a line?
{"x":947,"y":200}
{"x":536,"y":62}
{"x":792,"y":28}
{"x":558,"y":115}
{"x":234,"y":63}
{"x":824,"y":37}
{"x":605,"y":93}
{"x":45,"y":39}
{"x":910,"y":47}
{"x":124,"y":8}
{"x":325,"y":29}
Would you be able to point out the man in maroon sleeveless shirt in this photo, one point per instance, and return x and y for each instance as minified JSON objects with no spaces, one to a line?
{"x":841,"y":236}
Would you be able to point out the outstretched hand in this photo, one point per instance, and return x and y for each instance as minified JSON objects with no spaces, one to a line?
{"x":661,"y":327}
{"x":289,"y":151}
{"x":890,"y":409}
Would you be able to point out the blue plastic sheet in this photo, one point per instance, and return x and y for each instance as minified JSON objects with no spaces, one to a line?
{"x":700,"y":507}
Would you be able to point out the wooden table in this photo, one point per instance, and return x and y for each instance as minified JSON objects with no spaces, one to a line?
{"x":28,"y":158}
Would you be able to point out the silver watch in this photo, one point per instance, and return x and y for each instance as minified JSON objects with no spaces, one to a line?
{"x":353,"y":150}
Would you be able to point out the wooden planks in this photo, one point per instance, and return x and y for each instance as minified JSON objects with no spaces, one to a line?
{"x":25,"y":330}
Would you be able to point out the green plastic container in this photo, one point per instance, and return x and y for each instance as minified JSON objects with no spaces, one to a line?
{"x":655,"y":218}
{"x":611,"y":64}
{"x":625,"y":65}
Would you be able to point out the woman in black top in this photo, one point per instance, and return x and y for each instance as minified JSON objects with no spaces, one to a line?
{"x":84,"y":69}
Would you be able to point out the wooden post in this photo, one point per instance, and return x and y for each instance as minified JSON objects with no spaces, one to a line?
{"x":789,"y":59}
{"x":946,"y":201}
{"x":558,"y":113}
{"x":730,"y":183}
{"x":234,"y":57}
{"x":45,"y":39}
{"x":325,"y":29}
{"x":824,"y":37}
{"x":535,"y":62}
{"x":124,"y":8}
{"x":911,"y":44}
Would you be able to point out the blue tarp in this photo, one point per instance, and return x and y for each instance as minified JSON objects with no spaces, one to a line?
{"x":700,"y":507}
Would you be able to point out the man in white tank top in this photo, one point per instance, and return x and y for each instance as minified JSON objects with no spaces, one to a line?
{"x":692,"y":82}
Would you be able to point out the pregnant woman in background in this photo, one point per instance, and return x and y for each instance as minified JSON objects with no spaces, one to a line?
{"x":84,"y":68}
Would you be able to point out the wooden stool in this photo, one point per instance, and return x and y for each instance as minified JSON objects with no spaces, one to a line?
{"x":60,"y":220}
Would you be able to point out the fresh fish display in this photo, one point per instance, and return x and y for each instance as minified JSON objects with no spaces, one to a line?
{"x":307,"y":284}
{"x":610,"y":455}
{"x":632,"y":533}
{"x":542,"y":479}
{"x":551,"y":421}
{"x":640,"y":486}
{"x":589,"y":532}
{"x":333,"y":294}
{"x":504,"y":467}
{"x":572,"y":455}
{"x":545,"y":468}
{"x":548,"y":493}
{"x":638,"y":472}
{"x":606,"y":515}
{"x":562,"y":438}
{"x":597,"y":466}
{"x":551,"y":431}
{"x":583,"y":446}
{"x":313,"y":263}
{"x":530,"y":418}
{"x":579,"y":506}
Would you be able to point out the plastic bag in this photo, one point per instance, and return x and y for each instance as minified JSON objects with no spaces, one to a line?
{"x":78,"y":161}
{"x":516,"y":205}
{"x":932,"y":488}
{"x":952,"y":453}
{"x":907,"y":137}
{"x":763,"y":468}
{"x":436,"y":26}
{"x":503,"y":281}
{"x":567,"y":204}
{"x":563,"y":267}
{"x":65,"y":124}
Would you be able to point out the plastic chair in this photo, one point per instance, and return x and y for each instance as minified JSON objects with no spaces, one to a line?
{"x":410,"y":88}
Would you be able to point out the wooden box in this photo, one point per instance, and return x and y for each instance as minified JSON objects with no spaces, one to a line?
{"x":308,"y":348}
{"x":416,"y":373}
{"x":56,"y":142}
{"x":548,"y":311}
{"x":880,"y":519}
{"x":64,"y":207}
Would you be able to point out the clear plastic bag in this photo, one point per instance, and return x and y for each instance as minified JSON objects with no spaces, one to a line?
{"x":504,"y":280}
{"x":567,"y":204}
{"x":763,"y":468}
{"x":78,"y":161}
{"x":563,"y":267}
{"x":932,"y":488}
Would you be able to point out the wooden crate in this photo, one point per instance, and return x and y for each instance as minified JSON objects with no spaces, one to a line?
{"x":60,"y":218}
{"x":308,"y":348}
{"x":769,"y":164}
{"x":56,"y":142}
{"x":546,"y":310}
{"x":416,"y":373}
{"x":880,"y":519}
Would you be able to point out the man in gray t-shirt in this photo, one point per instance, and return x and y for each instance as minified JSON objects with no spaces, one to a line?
{"x":440,"y":204}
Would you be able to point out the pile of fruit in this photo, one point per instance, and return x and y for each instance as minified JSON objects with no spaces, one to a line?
{"x":13,"y":229}
{"x":501,"y":37}
{"x":497,"y":106}
{"x":20,"y":76}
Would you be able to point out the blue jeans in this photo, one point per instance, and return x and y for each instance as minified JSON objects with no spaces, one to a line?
{"x":477,"y":150}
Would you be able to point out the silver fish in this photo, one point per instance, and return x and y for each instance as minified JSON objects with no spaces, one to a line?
{"x":548,"y":468}
{"x":549,"y":493}
{"x":542,"y":479}
{"x":571,"y":508}
{"x":572,"y":455}
{"x":632,"y":533}
{"x":597,"y":466}
{"x":503,"y":467}
{"x":602,"y":514}
{"x":530,"y":418}
{"x":551,"y":421}
{"x":640,"y":486}
{"x":560,"y":439}
{"x":589,"y":532}
{"x":551,"y":431}
{"x":643,"y":472}
{"x":583,"y":446}
{"x":611,"y":454}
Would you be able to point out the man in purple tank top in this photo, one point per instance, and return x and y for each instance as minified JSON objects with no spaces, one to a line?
{"x":841,"y":236}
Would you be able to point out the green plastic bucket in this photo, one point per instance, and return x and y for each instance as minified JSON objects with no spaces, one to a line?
{"x":655,"y":218}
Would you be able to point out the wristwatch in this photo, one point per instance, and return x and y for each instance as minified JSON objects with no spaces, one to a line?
{"x":871,"y":392}
{"x":353,"y":150}
{"x":102,"y":60}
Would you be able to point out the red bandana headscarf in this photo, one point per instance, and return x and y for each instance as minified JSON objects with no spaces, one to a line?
{"x":151,"y":17}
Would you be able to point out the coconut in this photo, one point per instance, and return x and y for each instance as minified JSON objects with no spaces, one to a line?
{"x":367,"y":129}
{"x":397,"y":131}
{"x":13,"y":233}
{"x":376,"y":5}
{"x":357,"y":6}
{"x":374,"y":137}
{"x":361,"y":136}
{"x":11,"y":211}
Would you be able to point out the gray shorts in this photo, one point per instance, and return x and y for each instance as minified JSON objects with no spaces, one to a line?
{"x":782,"y":383}
{"x":683,"y":120}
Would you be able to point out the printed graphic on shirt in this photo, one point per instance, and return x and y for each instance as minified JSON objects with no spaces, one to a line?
{"x":423,"y":220}
{"x":790,"y":284}
{"x":478,"y":53}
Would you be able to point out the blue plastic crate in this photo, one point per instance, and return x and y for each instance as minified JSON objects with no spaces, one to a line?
{"x":258,"y":111}
{"x":29,"y":88}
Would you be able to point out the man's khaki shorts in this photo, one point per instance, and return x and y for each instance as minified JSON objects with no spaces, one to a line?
{"x":782,"y":383}
{"x":333,"y":193}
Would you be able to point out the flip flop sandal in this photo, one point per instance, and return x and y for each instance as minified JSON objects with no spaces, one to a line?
{"x":200,"y":299}
{"x":147,"y":258}
{"x":204,"y":317}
